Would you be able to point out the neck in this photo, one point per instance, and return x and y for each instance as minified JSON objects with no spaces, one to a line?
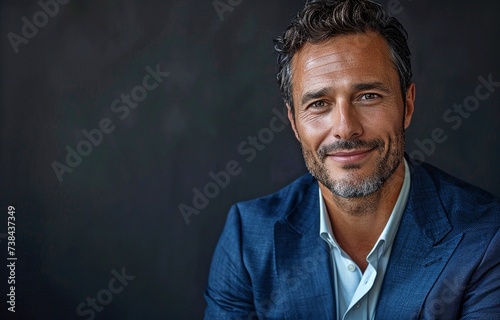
{"x":358,"y":222}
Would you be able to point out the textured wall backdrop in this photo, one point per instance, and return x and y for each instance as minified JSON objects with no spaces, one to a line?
{"x":116,"y":115}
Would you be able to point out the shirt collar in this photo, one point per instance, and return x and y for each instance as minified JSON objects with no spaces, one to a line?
{"x":387,"y":236}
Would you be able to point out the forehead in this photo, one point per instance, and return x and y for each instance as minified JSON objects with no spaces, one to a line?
{"x":353,"y":57}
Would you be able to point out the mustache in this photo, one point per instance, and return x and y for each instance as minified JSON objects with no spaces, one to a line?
{"x":345,"y":145}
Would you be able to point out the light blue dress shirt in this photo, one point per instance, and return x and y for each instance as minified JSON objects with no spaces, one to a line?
{"x":357,"y":293}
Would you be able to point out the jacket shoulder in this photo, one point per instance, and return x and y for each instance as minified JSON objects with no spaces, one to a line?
{"x":464,"y":204}
{"x":277,"y":205}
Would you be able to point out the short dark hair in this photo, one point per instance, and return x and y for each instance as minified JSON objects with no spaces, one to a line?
{"x":321,"y":20}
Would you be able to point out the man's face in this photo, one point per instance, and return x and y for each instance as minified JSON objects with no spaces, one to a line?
{"x":349,"y":113}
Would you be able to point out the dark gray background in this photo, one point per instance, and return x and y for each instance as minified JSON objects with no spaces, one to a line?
{"x":119,"y":207}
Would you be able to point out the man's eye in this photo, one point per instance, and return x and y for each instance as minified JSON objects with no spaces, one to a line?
{"x":318,"y":104}
{"x":369,"y":96}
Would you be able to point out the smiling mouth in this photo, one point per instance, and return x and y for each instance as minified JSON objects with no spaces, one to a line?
{"x":350,"y":156}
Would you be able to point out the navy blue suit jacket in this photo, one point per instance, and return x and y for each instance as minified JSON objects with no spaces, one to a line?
{"x":270,"y":262}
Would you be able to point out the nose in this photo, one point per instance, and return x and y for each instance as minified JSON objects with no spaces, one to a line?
{"x":346,"y":121}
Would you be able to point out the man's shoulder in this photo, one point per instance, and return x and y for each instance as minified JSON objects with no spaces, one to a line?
{"x":254,"y":220}
{"x":277,"y":205}
{"x":464,"y":203}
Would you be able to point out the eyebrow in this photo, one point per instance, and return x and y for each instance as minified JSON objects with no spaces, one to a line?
{"x":311,"y":95}
{"x":372,"y":85}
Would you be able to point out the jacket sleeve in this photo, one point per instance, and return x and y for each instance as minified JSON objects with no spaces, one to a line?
{"x":482,"y":296}
{"x":229,"y":292}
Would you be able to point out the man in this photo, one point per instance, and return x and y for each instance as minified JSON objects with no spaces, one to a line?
{"x":369,"y":234}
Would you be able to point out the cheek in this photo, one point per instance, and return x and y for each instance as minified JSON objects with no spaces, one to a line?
{"x":313,"y":133}
{"x":382,"y":122}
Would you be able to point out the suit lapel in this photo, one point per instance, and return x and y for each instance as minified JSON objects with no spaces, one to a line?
{"x":419,"y":252}
{"x":303,"y":262}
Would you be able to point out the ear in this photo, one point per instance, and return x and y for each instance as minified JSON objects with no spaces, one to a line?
{"x":410,"y":104}
{"x":291,"y":118}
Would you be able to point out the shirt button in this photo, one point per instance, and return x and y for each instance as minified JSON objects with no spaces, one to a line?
{"x":357,"y":305}
{"x":351,"y":267}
